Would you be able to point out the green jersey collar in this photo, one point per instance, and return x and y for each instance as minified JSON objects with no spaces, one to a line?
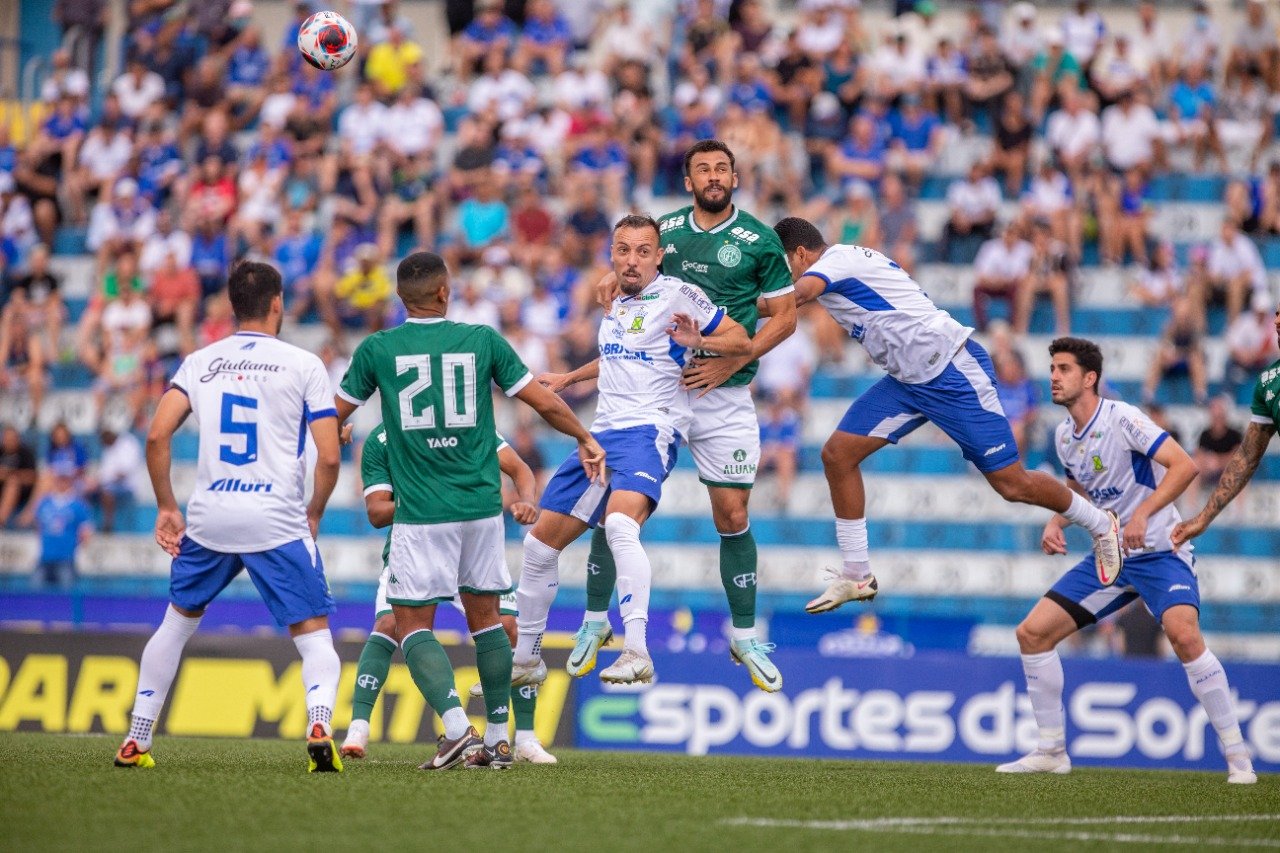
{"x":693,"y":225}
{"x":424,"y":320}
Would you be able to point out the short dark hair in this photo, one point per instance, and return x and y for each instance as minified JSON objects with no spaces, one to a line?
{"x":706,"y":146}
{"x":637,"y":220}
{"x":251,"y":288}
{"x":1087,"y":354}
{"x":795,"y":232}
{"x":419,"y":275}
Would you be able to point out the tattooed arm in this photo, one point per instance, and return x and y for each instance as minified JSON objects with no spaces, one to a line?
{"x":1241,"y":467}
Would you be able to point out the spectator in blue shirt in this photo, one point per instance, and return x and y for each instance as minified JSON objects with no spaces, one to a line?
{"x":545,"y":42}
{"x":489,"y":28}
{"x":65,"y":451}
{"x":210,"y":255}
{"x":483,"y":220}
{"x":247,"y":70}
{"x":917,"y":140}
{"x":64,"y":523}
{"x":780,"y":446}
{"x":296,"y":255}
{"x":1193,"y":102}
{"x":1018,"y":397}
{"x":604,"y":161}
{"x":159,"y":164}
{"x":860,"y":158}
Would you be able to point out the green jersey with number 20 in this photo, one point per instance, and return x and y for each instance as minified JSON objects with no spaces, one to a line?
{"x":442,"y":447}
{"x":734,"y":263}
{"x":1266,"y":397}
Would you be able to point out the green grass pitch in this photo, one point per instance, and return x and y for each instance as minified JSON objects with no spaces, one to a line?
{"x":59,"y":792}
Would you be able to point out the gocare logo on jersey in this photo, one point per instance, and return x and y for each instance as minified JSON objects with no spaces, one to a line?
{"x":224,"y":366}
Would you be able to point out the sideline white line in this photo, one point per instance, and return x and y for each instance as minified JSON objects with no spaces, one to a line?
{"x":960,"y":826}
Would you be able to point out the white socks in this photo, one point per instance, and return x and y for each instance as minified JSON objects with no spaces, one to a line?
{"x":1086,"y":515}
{"x":539,"y":583}
{"x":635,"y":576}
{"x":595,"y":616}
{"x":1044,"y":686}
{"x":851,"y":537}
{"x":1209,"y":684}
{"x":320,"y":671}
{"x":455,"y":723}
{"x":156,"y":671}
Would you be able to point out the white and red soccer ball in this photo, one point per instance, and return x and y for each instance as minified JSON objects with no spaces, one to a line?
{"x":327,"y":40}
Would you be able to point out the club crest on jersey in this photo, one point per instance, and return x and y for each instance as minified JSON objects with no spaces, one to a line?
{"x":729,"y":255}
{"x":1098,"y":467}
{"x":637,"y":323}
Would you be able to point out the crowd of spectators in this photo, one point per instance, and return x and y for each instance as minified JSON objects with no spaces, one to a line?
{"x":512,"y":155}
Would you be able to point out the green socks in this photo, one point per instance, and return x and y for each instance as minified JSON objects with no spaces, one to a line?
{"x":525,"y":700}
{"x":431,"y":671}
{"x":371,"y":674}
{"x":493,"y":660}
{"x":602,"y":572}
{"x":738,"y":575}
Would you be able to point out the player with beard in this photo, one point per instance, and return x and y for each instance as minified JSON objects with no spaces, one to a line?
{"x":735,"y":259}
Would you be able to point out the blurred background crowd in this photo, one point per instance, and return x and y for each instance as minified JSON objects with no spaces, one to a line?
{"x":1000,"y":149}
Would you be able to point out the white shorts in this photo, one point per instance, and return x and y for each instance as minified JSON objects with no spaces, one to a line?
{"x":430,"y":563}
{"x":506,"y":601}
{"x":724,"y":437}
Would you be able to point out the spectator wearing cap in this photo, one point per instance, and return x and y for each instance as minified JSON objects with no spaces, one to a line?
{"x":1251,"y":342}
{"x":1056,"y":72}
{"x":64,"y":523}
{"x":64,"y":79}
{"x":972,"y":204}
{"x":1021,"y":42}
{"x":122,"y":222}
{"x":364,"y":291}
{"x":1001,"y":271}
{"x":1234,"y":271}
{"x":114,"y":485}
{"x":544,"y":42}
{"x":490,"y":29}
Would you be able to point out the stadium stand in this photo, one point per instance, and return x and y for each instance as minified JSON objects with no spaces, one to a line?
{"x":197,"y":137}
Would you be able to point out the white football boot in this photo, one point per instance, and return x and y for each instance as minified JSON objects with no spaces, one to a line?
{"x":529,"y":673}
{"x":1240,"y":768}
{"x":1039,"y":761}
{"x":532,"y":751}
{"x":631,"y":667}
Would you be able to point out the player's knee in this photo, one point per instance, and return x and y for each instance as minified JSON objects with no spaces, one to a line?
{"x":732,"y":520}
{"x":1014,"y":489}
{"x":1032,"y":639}
{"x":1185,"y":640}
{"x":386,"y":625}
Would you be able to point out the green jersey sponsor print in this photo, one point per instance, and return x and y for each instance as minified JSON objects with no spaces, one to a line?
{"x":1266,"y":396}
{"x":735,"y":263}
{"x":441,"y":444}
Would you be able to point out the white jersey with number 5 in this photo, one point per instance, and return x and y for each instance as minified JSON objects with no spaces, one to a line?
{"x":253,"y":397}
{"x":881,"y":306}
{"x":1112,"y":458}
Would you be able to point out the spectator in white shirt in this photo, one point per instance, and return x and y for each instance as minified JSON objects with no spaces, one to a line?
{"x":1020,"y":38}
{"x":116,"y":483}
{"x":1073,"y":133}
{"x":1049,"y":197}
{"x":1082,"y":32}
{"x":1161,"y":282}
{"x":973,"y":204}
{"x":167,"y":240}
{"x":1131,"y":134}
{"x":124,"y":221}
{"x":1199,"y":44}
{"x":103,"y":157}
{"x":500,"y":91}
{"x":580,"y":85}
{"x":786,"y":369}
{"x":413,"y":124}
{"x":1251,"y":341}
{"x":471,"y":307}
{"x":1256,"y":46}
{"x":897,"y":68}
{"x":1002,"y":269}
{"x":1235,"y":270}
{"x":1116,"y":71}
{"x":64,"y":79}
{"x":362,"y":123}
{"x":137,"y":88}
{"x":1152,"y":46}
{"x":17,"y":222}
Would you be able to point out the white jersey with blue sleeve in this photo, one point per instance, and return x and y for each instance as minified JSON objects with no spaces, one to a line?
{"x":253,"y":397}
{"x":881,"y":306}
{"x":640,"y":365}
{"x":1112,"y":458}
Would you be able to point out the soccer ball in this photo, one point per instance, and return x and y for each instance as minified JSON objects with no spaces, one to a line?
{"x":327,"y":40}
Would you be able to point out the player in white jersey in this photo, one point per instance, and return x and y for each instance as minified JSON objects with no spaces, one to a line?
{"x":254,"y":398}
{"x":641,"y":416}
{"x":936,"y":374}
{"x":1117,"y":458}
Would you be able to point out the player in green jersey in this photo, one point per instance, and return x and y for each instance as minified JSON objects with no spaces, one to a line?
{"x":446,"y":535}
{"x":375,"y":659}
{"x":1263,"y":423}
{"x":735,"y":259}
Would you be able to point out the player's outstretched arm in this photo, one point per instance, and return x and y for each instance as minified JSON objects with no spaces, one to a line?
{"x":172,"y":411}
{"x":525,"y":508}
{"x":328,"y":462}
{"x":1181,"y":471}
{"x":557,"y":382}
{"x":559,"y":416}
{"x":1239,"y":471}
